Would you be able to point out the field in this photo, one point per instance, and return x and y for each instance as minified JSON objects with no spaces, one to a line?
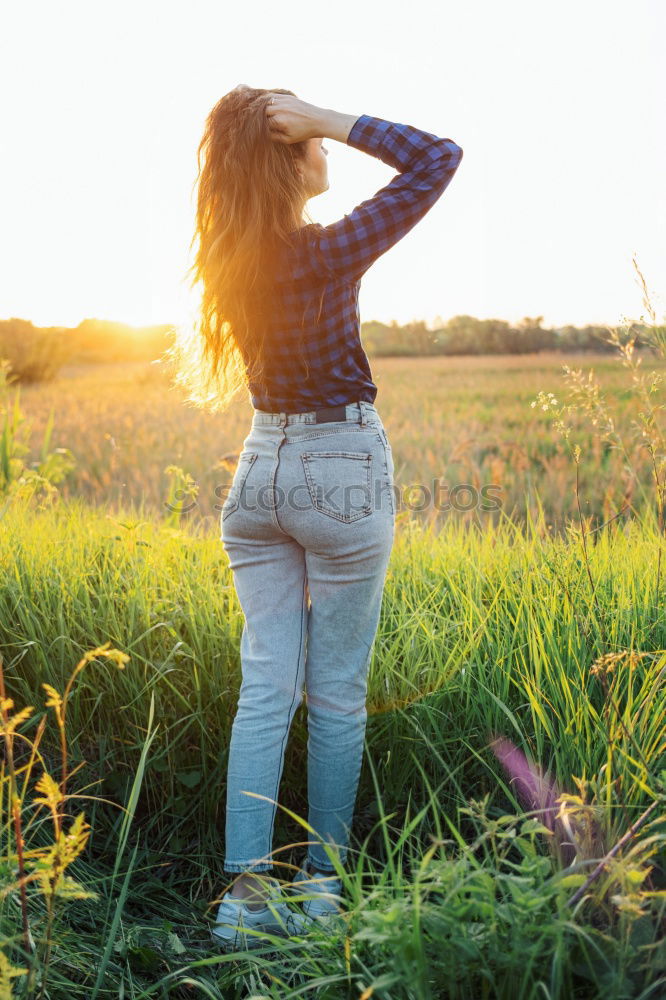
{"x":516,"y":702}
{"x":463,"y":420}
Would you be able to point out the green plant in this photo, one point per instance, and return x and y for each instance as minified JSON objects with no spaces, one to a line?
{"x":182,"y":494}
{"x":43,"y":868}
{"x":18,"y":480}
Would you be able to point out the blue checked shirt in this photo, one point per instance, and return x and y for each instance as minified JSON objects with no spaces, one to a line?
{"x":330,"y":261}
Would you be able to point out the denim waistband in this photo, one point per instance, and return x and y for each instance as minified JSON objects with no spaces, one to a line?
{"x":360,"y":412}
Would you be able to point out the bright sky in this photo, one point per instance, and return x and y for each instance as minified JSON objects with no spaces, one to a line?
{"x":559,"y":108}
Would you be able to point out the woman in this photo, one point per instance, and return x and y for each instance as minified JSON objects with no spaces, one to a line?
{"x":308,"y":524}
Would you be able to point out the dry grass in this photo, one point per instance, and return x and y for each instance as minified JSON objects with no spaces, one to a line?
{"x":463,"y":420}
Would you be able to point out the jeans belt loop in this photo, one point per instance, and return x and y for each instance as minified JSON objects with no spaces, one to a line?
{"x":363,"y":420}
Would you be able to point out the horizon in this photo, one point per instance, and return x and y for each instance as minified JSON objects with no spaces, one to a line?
{"x":430,"y":325}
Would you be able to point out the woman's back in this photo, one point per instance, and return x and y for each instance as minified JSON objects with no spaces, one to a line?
{"x":319,"y":277}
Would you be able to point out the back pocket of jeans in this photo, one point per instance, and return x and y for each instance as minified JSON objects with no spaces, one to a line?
{"x":339,"y":483}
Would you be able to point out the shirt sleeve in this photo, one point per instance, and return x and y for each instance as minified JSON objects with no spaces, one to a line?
{"x":425,"y":165}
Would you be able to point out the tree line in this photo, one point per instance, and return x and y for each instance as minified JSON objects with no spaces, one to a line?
{"x":37,"y":353}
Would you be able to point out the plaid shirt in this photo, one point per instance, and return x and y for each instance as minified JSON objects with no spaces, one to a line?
{"x":330,"y":261}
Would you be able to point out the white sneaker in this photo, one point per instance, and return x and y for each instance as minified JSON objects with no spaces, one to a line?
{"x":326,"y":892}
{"x":237,"y":927}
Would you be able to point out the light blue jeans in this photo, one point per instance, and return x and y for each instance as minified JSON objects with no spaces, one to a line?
{"x":308,"y":525}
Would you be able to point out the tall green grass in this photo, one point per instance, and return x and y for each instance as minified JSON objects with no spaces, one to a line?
{"x":480,"y":634}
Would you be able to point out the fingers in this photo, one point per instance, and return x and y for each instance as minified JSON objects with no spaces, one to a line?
{"x":275,"y":131}
{"x":271,"y":109}
{"x":282,"y":117}
{"x":272,"y":104}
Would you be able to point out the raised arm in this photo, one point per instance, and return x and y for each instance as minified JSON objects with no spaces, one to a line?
{"x":426,"y":165}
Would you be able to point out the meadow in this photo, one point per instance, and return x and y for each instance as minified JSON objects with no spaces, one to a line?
{"x":509,"y":839}
{"x":465,"y":421}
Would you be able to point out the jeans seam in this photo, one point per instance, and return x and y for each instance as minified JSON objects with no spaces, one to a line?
{"x":248,"y":458}
{"x":293,"y":698}
{"x":354,"y":429}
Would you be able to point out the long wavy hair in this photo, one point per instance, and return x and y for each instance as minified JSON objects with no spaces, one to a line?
{"x":250,"y":203}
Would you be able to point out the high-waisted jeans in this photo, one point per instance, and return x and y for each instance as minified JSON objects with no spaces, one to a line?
{"x":308,"y":525}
